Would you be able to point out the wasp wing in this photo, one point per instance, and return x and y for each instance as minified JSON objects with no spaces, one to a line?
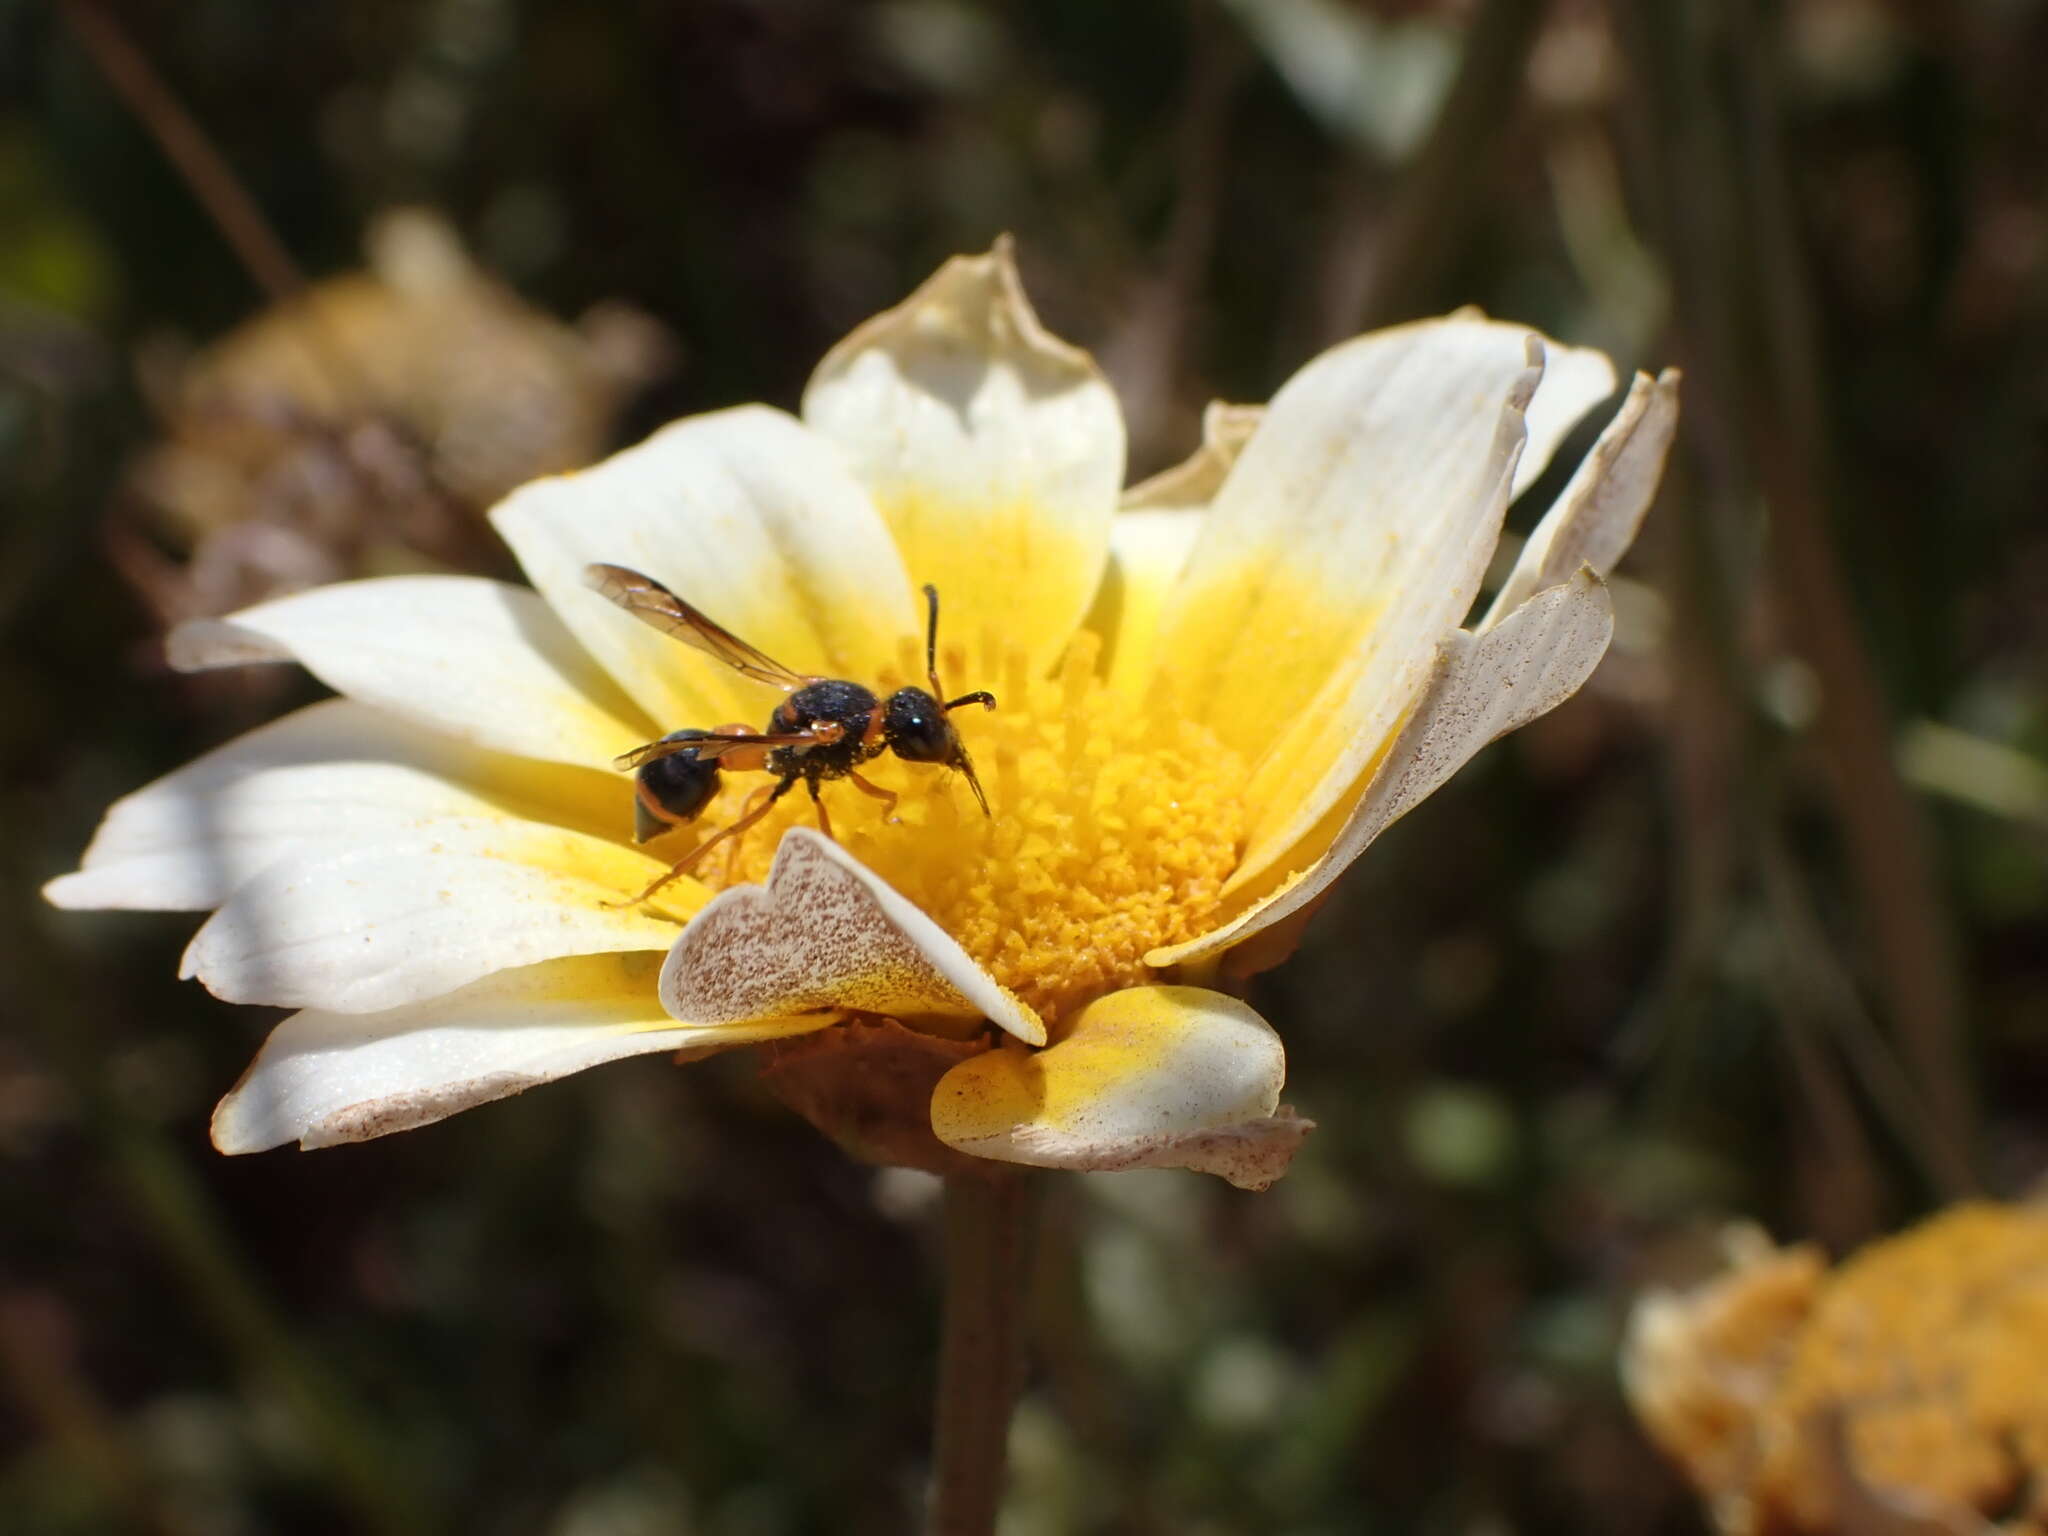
{"x":654,"y":605}
{"x":707,"y":748}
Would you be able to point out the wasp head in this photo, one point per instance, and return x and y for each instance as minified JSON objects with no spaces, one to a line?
{"x":916,"y":727}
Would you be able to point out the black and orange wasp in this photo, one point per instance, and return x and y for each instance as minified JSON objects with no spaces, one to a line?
{"x":825,"y":729}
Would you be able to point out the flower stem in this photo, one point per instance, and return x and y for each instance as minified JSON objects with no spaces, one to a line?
{"x":981,"y":1353}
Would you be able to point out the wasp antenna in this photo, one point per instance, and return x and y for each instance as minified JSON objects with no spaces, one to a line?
{"x":980,"y":696}
{"x":966,"y":765}
{"x":931,"y":637}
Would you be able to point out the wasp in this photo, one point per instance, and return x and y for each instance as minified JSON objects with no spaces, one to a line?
{"x":824,"y":729}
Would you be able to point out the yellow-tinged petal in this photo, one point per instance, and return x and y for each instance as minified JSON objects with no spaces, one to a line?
{"x":1482,"y":686}
{"x":1149,"y":544}
{"x":1432,"y":557}
{"x":477,"y":659}
{"x":825,"y":933}
{"x":1348,"y":540}
{"x":749,"y":517}
{"x":326,"y":1078}
{"x":1150,"y":1077}
{"x":994,"y":451}
{"x":334,"y":776}
{"x":417,"y":916}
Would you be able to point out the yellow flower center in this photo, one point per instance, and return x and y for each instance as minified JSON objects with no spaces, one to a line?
{"x":1114,"y":828}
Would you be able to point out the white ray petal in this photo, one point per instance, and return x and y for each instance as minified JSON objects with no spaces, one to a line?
{"x":326,"y":1078}
{"x":478,"y":659}
{"x":333,"y":776}
{"x":747,"y":516}
{"x":994,"y":450}
{"x":1483,"y":686}
{"x":1347,"y":540}
{"x":1346,"y":546}
{"x":382,"y":926}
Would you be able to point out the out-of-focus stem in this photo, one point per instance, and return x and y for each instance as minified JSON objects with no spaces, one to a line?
{"x":1821,"y":993}
{"x":356,"y":1454}
{"x":981,"y":1354}
{"x":353,"y":1451}
{"x":185,"y":143}
{"x":38,"y":1368}
{"x":1431,"y":210}
{"x":1755,"y":422}
{"x":1885,"y":836}
{"x":1144,"y":355}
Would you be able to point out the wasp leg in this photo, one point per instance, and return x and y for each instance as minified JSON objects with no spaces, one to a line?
{"x":824,"y":817}
{"x":689,"y":860}
{"x":732,"y":848}
{"x":888,"y":797}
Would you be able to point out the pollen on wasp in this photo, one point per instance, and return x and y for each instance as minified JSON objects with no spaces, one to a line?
{"x":1113,"y":831}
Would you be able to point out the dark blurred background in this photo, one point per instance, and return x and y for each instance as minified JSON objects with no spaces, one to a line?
{"x":1754,"y":927}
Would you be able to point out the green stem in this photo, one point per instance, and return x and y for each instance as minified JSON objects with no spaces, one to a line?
{"x":981,"y":1353}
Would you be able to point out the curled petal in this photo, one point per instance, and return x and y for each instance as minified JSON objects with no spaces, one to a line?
{"x":476,"y":659}
{"x":1595,"y":517}
{"x":326,"y":1078}
{"x":1575,"y":379}
{"x":994,"y":450}
{"x":382,"y":926}
{"x":334,"y":776}
{"x":745,"y":515}
{"x":1150,"y":1077}
{"x":1483,"y":686}
{"x":824,"y":934}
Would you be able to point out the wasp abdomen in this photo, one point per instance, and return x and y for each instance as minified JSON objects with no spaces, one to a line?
{"x":673,"y":790}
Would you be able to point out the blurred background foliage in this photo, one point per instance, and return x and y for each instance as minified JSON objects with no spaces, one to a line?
{"x":1754,"y":926}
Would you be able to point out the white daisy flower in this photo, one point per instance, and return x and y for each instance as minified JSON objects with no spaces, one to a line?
{"x":1214,"y":691}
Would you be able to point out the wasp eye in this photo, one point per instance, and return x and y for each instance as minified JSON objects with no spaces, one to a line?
{"x":917,"y":729}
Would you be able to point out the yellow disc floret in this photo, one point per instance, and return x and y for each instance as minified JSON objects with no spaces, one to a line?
{"x":1114,"y":828}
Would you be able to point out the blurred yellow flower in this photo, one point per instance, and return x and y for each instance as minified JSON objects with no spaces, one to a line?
{"x":1215,"y":690}
{"x":1901,"y":1392}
